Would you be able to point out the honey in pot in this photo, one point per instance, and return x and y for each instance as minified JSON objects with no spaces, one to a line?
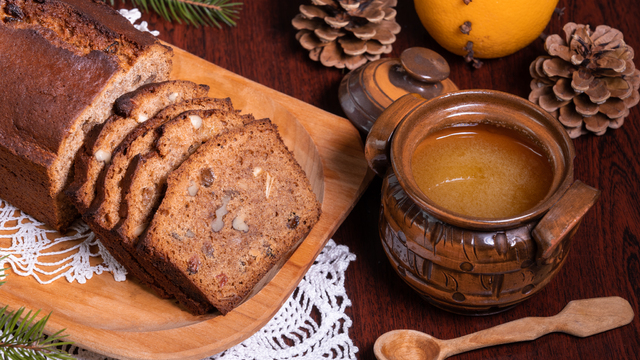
{"x":482,"y":170}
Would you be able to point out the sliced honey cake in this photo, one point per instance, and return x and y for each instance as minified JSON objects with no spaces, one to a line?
{"x":231,"y":212}
{"x":145,"y":182}
{"x":103,"y":214}
{"x":130,"y":109}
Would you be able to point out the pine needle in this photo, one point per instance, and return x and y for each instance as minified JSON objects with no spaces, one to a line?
{"x":26,"y":339}
{"x":193,"y":12}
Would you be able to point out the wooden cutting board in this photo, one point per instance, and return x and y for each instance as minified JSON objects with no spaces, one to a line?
{"x":126,"y":320}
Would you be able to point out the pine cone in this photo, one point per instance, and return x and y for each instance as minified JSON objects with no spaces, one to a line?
{"x":589,"y":82}
{"x":347,"y":33}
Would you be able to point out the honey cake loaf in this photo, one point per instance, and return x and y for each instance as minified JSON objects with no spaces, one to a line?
{"x":232,"y":210}
{"x":66,"y":62}
{"x":130,"y":109}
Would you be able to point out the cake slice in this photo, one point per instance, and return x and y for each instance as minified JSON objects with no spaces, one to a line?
{"x":130,"y":109}
{"x":232,"y":211}
{"x":144,"y":184}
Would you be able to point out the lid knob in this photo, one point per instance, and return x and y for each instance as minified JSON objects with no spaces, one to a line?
{"x":424,"y":65}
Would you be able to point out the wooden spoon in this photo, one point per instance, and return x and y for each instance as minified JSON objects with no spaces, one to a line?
{"x":579,"y":318}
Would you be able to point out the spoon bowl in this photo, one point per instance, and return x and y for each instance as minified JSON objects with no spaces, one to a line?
{"x":580,"y":318}
{"x":407,"y":345}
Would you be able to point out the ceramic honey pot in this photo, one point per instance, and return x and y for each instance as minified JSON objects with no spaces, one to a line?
{"x":467,"y":264}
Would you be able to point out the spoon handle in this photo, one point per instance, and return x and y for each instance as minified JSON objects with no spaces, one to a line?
{"x":579,"y":318}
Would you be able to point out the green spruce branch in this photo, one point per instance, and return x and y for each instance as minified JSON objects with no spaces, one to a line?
{"x":25,"y":339}
{"x":194,"y":12}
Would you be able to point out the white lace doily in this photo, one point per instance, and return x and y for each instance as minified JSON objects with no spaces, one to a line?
{"x":32,"y":249}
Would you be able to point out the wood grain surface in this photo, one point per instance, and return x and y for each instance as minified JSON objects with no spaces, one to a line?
{"x":605,"y":255}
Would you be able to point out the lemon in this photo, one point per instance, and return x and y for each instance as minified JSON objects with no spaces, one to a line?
{"x":498,"y":27}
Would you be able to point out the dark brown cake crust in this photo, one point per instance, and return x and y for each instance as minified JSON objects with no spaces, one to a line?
{"x":131,"y":103}
{"x":42,"y":92}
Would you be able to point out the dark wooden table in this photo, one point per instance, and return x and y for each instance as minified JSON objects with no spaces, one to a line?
{"x":605,"y":255}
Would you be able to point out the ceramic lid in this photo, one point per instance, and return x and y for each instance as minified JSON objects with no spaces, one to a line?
{"x":366,"y":91}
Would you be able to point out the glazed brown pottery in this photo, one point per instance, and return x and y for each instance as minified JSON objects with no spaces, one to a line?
{"x":464,"y":264}
{"x":366,"y":91}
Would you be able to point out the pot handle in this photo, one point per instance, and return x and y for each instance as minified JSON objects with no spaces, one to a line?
{"x":563,"y":217}
{"x":378,"y":143}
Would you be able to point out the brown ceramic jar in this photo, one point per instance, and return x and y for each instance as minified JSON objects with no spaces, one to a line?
{"x":460,"y":263}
